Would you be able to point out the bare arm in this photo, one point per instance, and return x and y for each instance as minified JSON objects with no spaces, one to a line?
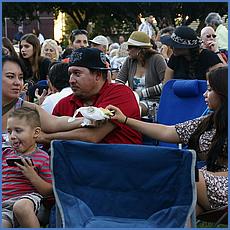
{"x":156,"y":131}
{"x":219,"y":173}
{"x":43,"y":187}
{"x":168,"y":74}
{"x":94,"y":135}
{"x":51,"y":123}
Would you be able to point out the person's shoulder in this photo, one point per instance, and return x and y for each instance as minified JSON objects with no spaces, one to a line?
{"x":157,"y":56}
{"x":119,"y":87}
{"x":45,"y":61}
{"x":208,"y":54}
{"x":40,"y":154}
{"x":66,"y":99}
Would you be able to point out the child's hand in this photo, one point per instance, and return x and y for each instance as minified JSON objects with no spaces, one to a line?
{"x":41,"y":97}
{"x":27,"y":169}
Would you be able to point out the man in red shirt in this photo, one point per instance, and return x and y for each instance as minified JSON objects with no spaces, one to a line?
{"x":88,"y":80}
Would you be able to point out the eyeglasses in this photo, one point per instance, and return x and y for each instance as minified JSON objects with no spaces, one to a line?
{"x":210,"y":35}
{"x":77,"y":31}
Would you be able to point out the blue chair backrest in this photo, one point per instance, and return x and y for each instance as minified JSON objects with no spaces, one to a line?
{"x":117,"y":185}
{"x":181,"y":100}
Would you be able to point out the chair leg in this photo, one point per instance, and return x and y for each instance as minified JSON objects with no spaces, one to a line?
{"x":193,"y":219}
{"x":220,"y":220}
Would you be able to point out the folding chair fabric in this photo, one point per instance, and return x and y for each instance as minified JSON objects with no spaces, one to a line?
{"x":181,"y":100}
{"x":130,"y":186}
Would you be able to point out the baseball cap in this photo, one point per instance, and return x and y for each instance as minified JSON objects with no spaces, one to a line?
{"x":100,"y":40}
{"x":91,"y":58}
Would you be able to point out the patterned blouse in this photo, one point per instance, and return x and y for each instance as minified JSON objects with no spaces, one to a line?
{"x":186,"y":129}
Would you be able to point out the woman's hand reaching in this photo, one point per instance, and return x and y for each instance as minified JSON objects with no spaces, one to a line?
{"x":118,"y":115}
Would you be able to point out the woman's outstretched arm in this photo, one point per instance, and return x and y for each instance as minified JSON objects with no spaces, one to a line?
{"x":153,"y":130}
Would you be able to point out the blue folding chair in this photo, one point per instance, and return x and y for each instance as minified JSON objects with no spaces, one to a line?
{"x":181,"y":100}
{"x":121,"y":186}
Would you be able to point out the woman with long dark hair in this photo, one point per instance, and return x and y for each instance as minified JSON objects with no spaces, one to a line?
{"x":207,"y":135}
{"x":189,"y":60}
{"x":7,"y":44}
{"x":36,"y":65}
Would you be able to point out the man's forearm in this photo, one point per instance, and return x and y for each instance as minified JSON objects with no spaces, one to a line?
{"x":93,"y":134}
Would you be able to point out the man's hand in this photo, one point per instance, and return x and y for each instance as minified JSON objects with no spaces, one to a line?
{"x":212,"y":45}
{"x":43,"y":138}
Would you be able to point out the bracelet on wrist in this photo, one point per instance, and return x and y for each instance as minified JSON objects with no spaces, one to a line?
{"x":126,"y":118}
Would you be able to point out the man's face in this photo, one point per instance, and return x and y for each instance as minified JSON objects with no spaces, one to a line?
{"x":208,"y":36}
{"x":151,"y":19}
{"x":80,"y":41}
{"x":82,"y":81}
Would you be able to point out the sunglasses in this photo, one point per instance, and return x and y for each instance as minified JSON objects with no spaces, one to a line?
{"x":130,"y":47}
{"x":77,"y":31}
{"x":210,"y":35}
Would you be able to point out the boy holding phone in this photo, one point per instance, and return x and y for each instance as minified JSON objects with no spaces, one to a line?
{"x":27,"y":178}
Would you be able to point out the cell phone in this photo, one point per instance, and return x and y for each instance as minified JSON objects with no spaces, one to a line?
{"x":11,"y":161}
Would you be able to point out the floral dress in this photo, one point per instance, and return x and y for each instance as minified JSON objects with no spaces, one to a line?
{"x":217,"y":186}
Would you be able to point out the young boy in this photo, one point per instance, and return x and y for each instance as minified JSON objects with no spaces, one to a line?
{"x":24,"y":183}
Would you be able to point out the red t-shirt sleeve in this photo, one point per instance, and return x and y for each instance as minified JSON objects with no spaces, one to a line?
{"x":122,"y":97}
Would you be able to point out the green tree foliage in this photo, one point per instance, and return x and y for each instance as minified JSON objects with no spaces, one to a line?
{"x":109,"y":15}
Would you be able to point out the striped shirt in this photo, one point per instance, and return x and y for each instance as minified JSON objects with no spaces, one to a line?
{"x":14,"y":183}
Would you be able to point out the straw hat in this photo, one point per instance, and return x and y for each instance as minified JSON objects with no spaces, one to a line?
{"x":139,"y":39}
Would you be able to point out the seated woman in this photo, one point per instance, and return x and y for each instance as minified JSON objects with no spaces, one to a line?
{"x":13,"y":71}
{"x":188,"y":60}
{"x":208,"y":135}
{"x":7,"y":44}
{"x":36,"y":65}
{"x":144,"y":69}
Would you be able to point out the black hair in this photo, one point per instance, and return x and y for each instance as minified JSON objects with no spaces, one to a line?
{"x":218,"y":81}
{"x":67,"y":53}
{"x":59,"y":76}
{"x":8,"y":44}
{"x":103,"y":72}
{"x":16,"y":60}
{"x":168,"y":29}
{"x":194,"y":54}
{"x":77,"y":32}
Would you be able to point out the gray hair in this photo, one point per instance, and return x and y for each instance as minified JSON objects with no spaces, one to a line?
{"x":213,"y":19}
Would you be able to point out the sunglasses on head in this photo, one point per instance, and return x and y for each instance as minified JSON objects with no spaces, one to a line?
{"x":77,"y":31}
{"x":210,"y":35}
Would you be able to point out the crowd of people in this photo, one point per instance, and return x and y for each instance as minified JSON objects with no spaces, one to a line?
{"x":43,"y":85}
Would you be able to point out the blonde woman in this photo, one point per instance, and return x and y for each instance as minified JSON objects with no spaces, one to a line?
{"x":51,"y":50}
